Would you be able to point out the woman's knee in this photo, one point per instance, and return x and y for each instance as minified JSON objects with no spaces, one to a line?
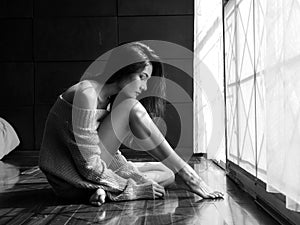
{"x":145,"y":132}
{"x":130,"y":114}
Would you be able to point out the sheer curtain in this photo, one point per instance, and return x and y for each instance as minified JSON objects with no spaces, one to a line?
{"x":262,"y":46}
{"x":282,"y":92}
{"x":199,"y":125}
{"x":208,"y":80}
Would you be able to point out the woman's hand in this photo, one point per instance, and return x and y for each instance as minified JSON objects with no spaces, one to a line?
{"x":158,"y":190}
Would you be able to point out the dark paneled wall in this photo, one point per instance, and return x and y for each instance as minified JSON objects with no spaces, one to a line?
{"x":46,"y":45}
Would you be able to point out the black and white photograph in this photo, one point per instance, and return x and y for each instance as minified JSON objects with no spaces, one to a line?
{"x":140,"y":112}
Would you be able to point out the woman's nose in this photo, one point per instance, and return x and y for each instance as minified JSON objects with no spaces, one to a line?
{"x":144,"y":87}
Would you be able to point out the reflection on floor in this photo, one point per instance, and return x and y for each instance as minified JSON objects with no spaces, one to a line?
{"x":26,"y":198}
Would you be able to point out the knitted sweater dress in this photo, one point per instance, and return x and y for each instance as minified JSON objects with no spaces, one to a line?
{"x":70,"y":157}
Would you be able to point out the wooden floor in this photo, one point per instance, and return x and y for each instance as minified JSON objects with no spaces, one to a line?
{"x":26,"y":198}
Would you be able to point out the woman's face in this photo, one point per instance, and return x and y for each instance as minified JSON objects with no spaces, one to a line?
{"x":137,"y":82}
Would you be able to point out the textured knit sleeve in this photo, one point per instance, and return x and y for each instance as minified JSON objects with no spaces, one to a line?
{"x":86,"y":152}
{"x":127,"y":169}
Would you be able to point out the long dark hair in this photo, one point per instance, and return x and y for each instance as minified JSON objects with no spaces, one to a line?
{"x":143,"y":55}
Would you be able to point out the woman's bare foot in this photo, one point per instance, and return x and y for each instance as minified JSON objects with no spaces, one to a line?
{"x":98,"y":198}
{"x":193,"y":183}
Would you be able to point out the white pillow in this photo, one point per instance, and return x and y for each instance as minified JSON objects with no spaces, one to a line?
{"x":8,"y":138}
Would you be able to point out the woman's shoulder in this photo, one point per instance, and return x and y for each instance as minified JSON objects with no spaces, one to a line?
{"x":82,"y":95}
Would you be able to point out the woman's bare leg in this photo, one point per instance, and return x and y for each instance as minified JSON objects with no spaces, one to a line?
{"x":156,"y":171}
{"x":131,"y":116}
{"x":164,"y":176}
{"x":142,"y":127}
{"x":112,"y":131}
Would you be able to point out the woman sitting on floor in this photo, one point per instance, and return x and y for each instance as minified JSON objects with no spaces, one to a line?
{"x":79,"y":152}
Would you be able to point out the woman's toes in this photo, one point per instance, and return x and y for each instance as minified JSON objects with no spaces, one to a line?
{"x":217,"y":194}
{"x":98,"y":198}
{"x":101,"y":195}
{"x":96,"y":203}
{"x":220,"y":195}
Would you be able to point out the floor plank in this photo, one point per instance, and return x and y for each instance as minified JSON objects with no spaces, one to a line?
{"x":26,"y":198}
